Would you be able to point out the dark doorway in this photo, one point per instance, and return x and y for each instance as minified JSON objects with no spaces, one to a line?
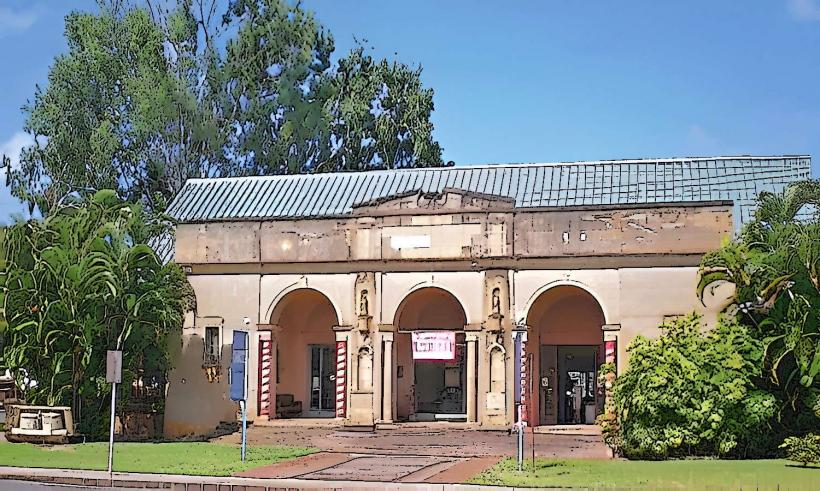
{"x":440,"y":386}
{"x":568,"y":385}
{"x":566,"y":344}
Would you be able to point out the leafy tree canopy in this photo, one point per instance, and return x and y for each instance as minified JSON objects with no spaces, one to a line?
{"x":151,"y":93}
{"x":78,"y":283}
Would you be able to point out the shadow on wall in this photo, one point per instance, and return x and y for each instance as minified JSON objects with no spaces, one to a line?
{"x":197,"y":401}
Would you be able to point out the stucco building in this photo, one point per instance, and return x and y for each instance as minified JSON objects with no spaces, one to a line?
{"x":347,"y":282}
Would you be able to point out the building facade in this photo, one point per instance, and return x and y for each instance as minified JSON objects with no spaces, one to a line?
{"x":403,"y":295}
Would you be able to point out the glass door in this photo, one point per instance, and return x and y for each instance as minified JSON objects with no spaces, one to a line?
{"x":322,"y":380}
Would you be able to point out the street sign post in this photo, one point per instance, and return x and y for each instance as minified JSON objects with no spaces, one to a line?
{"x":239,"y":379}
{"x":113,"y":375}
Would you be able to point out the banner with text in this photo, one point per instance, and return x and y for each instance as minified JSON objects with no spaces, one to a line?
{"x":434,"y":345}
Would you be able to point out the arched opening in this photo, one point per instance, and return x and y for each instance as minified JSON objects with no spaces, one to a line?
{"x":566,"y":345}
{"x":430,"y":374}
{"x":305,"y":355}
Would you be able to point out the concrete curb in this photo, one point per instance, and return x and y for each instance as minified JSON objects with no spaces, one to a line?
{"x":206,"y":483}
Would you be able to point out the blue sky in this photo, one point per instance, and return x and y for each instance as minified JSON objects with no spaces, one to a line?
{"x":547,"y":80}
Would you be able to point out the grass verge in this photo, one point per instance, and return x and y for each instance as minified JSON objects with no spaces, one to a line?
{"x":671,"y":474}
{"x":199,"y":458}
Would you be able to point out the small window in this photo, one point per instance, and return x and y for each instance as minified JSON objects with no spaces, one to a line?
{"x":212,"y":346}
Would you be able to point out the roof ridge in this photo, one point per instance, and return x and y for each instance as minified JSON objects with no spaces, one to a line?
{"x":508,"y":165}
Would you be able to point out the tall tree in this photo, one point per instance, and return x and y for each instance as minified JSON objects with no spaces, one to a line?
{"x":153,"y":92}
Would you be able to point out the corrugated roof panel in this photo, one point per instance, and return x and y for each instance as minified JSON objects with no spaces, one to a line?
{"x":568,"y":184}
{"x":266,"y":209}
{"x":246,"y":201}
{"x":287,"y":202}
{"x":240,"y":197}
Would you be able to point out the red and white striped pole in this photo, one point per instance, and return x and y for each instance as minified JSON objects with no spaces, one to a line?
{"x":341,"y":379}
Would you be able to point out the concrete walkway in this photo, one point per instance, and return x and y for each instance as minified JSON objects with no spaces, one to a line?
{"x":330,"y":466}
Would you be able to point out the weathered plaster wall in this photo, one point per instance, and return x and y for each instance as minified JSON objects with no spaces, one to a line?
{"x":452,"y":235}
{"x":194,"y":405}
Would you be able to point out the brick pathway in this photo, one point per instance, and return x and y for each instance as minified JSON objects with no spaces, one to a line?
{"x":432,"y":455}
{"x":327,"y":466}
{"x":431,"y":441}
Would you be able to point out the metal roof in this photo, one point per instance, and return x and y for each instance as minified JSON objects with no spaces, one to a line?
{"x":676,"y":180}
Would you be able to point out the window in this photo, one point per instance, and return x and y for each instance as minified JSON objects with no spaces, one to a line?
{"x":212,"y":346}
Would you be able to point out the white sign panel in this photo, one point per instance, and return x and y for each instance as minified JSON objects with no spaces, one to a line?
{"x":398,"y":242}
{"x":434,"y":345}
{"x":113,"y":367}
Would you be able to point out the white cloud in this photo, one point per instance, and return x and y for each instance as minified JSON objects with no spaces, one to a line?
{"x":16,"y":21}
{"x":11,"y":148}
{"x":805,"y":10}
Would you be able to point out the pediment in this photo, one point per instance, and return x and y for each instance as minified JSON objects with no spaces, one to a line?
{"x":448,"y":200}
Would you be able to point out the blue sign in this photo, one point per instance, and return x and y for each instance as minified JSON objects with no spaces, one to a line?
{"x":239,"y":357}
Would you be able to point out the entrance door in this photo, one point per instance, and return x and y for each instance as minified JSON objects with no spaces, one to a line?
{"x":548,"y":385}
{"x":440,"y":388}
{"x":577,"y":384}
{"x":322,"y":380}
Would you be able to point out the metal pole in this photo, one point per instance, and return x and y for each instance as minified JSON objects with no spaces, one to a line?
{"x":520,"y":447}
{"x":111,"y":430}
{"x":244,"y":427}
{"x":531,"y":406}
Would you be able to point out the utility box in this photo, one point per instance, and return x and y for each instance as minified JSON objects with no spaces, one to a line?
{"x":39,"y":424}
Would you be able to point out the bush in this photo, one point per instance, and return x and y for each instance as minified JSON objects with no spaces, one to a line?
{"x":805,"y":449}
{"x":691,"y":393}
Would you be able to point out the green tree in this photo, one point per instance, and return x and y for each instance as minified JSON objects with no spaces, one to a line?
{"x":78,"y":283}
{"x":150,"y":94}
{"x":774,"y":267}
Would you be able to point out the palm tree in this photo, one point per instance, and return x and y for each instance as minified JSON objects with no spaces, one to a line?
{"x":774,"y":265}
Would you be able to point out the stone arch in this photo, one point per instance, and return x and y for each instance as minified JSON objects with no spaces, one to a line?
{"x":305,"y":371}
{"x":299,"y":285}
{"x":565,"y":342}
{"x":430,"y":390}
{"x":442,"y":296}
{"x":557,"y":284}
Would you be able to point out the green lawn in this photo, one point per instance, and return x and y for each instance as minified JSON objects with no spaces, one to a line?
{"x":672,"y":474}
{"x":207,"y":459}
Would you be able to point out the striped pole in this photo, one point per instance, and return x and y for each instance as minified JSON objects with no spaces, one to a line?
{"x":341,"y":379}
{"x":522,"y":367}
{"x":264,"y":374}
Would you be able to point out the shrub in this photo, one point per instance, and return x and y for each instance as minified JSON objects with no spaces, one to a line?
{"x":691,"y":392}
{"x":805,"y":449}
